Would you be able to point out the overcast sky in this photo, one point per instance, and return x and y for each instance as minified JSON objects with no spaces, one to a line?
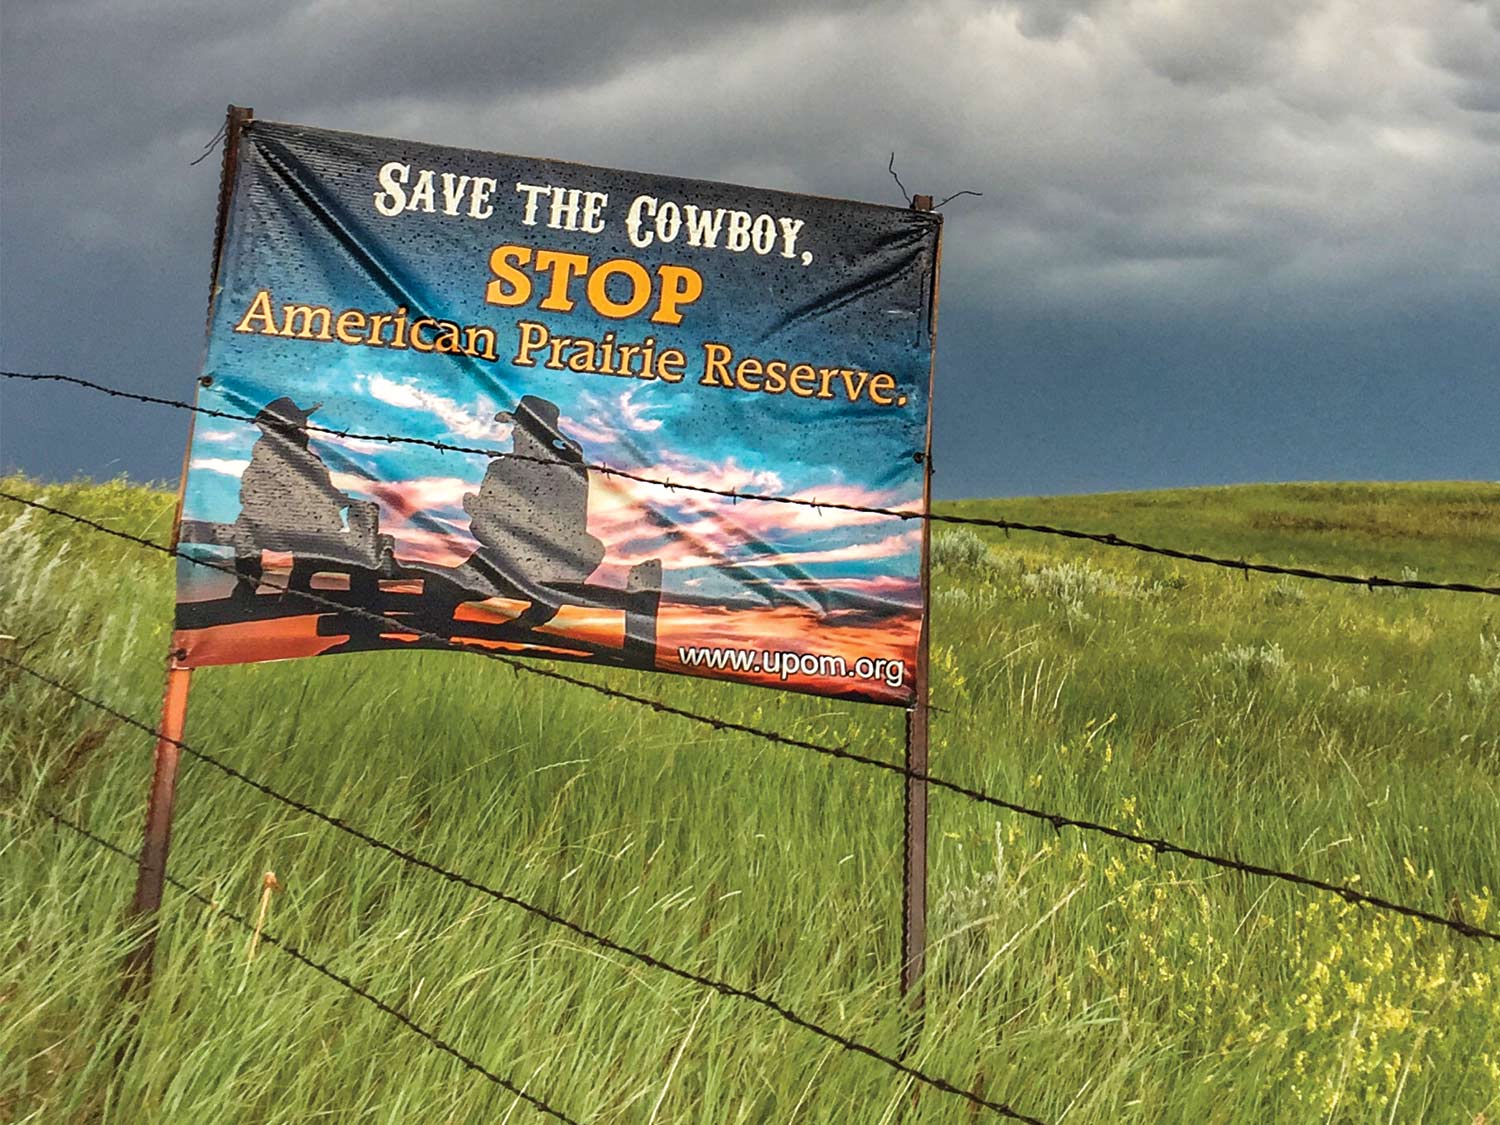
{"x":1220,"y":240}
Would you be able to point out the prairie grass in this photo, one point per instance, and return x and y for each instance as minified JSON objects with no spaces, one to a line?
{"x":1336,"y":731}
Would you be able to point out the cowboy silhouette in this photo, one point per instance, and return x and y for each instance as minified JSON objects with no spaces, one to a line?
{"x":288,"y":501}
{"x":530,"y":514}
{"x":286,"y":487}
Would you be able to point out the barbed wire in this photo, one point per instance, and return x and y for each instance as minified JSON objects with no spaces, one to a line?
{"x":723,"y":988}
{"x":296,"y":954}
{"x":1107,"y":539}
{"x":1159,"y":845}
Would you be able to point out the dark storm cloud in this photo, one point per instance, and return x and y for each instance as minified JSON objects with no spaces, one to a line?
{"x":1283,"y":181}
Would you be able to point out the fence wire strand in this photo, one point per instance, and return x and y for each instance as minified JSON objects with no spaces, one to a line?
{"x":296,"y":954}
{"x":1159,"y":845}
{"x":1107,"y":539}
{"x":723,"y":988}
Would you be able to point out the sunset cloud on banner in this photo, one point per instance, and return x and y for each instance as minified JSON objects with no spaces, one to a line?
{"x":697,"y":333}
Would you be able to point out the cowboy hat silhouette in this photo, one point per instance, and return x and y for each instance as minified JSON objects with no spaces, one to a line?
{"x":539,"y":418}
{"x":284,"y":414}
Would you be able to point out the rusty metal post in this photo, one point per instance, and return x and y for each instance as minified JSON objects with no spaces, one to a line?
{"x":914,"y":882}
{"x":152,"y":869}
{"x":914,"y":900}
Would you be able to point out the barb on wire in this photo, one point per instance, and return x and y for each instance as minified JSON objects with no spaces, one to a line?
{"x":723,"y":988}
{"x":1058,"y":821}
{"x":338,"y":978}
{"x":1107,"y":539}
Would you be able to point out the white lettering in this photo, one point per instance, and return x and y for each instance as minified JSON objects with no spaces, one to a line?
{"x":453,"y":192}
{"x":763,"y":234}
{"x":789,"y":229}
{"x":737,"y":237}
{"x":392,"y":201}
{"x":593,"y":212}
{"x":479,"y":200}
{"x":668,"y":221}
{"x":422,"y":194}
{"x":639,"y":206}
{"x":564,"y":209}
{"x":703,"y":225}
{"x":531,"y":191}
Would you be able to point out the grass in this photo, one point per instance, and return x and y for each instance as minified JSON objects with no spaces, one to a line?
{"x":1332,"y":730}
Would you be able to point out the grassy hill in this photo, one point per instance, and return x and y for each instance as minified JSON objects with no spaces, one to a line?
{"x":1335,"y":731}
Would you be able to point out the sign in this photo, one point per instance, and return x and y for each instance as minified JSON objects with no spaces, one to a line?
{"x":561,"y":318}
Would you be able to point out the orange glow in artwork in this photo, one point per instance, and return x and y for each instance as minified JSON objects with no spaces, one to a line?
{"x":594,"y":626}
{"x":490,"y":611}
{"x":401,"y":586}
{"x":283,"y":638}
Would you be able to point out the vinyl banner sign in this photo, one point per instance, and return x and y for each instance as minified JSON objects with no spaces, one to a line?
{"x":563,"y":320}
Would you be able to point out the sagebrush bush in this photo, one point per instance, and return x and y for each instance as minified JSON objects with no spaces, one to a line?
{"x":958,"y":548}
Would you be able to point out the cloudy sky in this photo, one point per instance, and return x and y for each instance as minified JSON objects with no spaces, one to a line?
{"x":1218,"y":241}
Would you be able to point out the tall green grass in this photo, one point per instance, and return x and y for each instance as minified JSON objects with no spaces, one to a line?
{"x":1332,"y":730}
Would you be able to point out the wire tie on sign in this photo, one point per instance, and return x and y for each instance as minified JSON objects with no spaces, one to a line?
{"x":205,"y":380}
{"x":215,"y":139}
{"x":955,"y":195}
{"x":891,"y":167}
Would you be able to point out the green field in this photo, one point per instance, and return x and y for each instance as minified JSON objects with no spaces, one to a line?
{"x":1336,"y":731}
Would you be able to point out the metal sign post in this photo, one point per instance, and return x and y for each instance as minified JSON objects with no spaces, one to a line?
{"x":152,"y":870}
{"x":914,"y":882}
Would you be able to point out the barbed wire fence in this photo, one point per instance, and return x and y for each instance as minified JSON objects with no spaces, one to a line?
{"x":1057,"y":820}
{"x":401,"y":1017}
{"x":1103,"y":538}
{"x":1159,"y":845}
{"x":722,"y":987}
